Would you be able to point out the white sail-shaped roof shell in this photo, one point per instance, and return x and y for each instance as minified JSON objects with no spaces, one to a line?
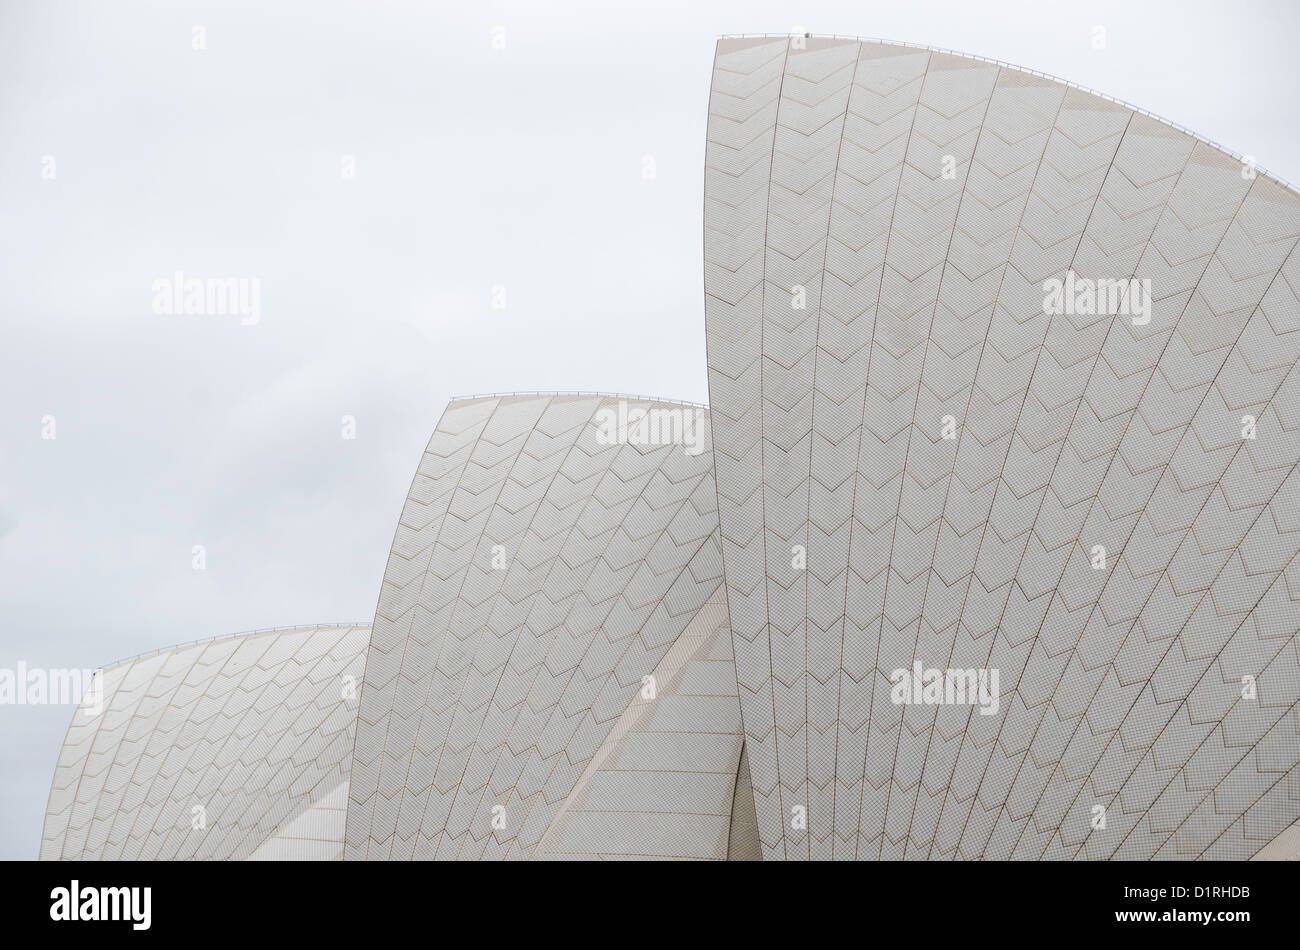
{"x":212,"y":750}
{"x":543,"y":565}
{"x":889,"y":394}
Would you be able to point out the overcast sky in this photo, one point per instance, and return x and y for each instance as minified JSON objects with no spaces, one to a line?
{"x":475,"y":167}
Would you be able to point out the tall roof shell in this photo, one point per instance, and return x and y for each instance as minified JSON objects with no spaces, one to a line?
{"x":889,"y":392}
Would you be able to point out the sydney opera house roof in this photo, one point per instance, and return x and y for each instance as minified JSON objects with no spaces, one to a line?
{"x":1003,"y":380}
{"x":890,"y":392}
{"x":252,"y":730}
{"x":539,"y":573}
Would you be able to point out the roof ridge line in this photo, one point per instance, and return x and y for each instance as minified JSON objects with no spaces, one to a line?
{"x":1236,"y":156}
{"x":230,"y":636}
{"x":578,"y":392}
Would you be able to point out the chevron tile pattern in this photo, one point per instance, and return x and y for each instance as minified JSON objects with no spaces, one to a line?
{"x":664,"y":783}
{"x":918,"y":461}
{"x":539,"y":571}
{"x":254,"y":729}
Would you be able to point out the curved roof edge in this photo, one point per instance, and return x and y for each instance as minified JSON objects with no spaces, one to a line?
{"x":577,"y":392}
{"x":1235,"y":156}
{"x":229,"y":636}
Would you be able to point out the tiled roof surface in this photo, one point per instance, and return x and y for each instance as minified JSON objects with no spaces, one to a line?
{"x":915,"y":203}
{"x":250,"y":730}
{"x":539,"y":571}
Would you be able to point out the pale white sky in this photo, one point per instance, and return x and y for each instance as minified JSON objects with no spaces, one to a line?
{"x":474,"y":167}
